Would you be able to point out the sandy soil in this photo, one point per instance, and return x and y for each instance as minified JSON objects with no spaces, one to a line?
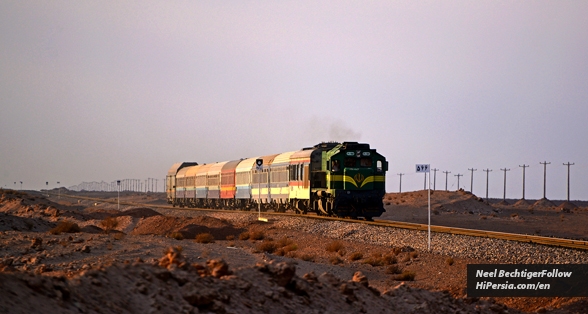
{"x":137,"y":260}
{"x":465,"y":210}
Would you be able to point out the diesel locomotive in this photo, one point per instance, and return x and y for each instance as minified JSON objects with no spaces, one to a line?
{"x":331,"y":179}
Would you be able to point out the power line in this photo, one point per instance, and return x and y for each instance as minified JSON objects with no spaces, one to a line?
{"x":472,"y":181}
{"x":524,"y":166}
{"x":544,"y":176}
{"x":487,"y":172}
{"x":569,"y":164}
{"x":446,"y":172}
{"x":434,"y":177}
{"x":458,"y":175}
{"x":504,"y":195}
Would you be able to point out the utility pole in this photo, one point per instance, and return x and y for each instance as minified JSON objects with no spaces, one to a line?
{"x":524,"y":166}
{"x":425,"y":183}
{"x":472,"y":183}
{"x":569,"y":164}
{"x":400,"y":189}
{"x":544,"y":176}
{"x":118,"y":198}
{"x":458,"y":175}
{"x":504,"y":195}
{"x":434,"y":178}
{"x":487,"y":172}
{"x":446,"y":172}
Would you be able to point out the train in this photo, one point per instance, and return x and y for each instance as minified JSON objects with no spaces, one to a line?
{"x":330,"y":179}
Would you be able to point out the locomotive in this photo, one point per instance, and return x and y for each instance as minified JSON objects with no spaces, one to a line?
{"x":330,"y":179}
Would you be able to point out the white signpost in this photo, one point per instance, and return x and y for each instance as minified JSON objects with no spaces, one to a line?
{"x":426,"y":168}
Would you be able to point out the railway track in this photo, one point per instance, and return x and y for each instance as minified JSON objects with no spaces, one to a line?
{"x":559,"y":242}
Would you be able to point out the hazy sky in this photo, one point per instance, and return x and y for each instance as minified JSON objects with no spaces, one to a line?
{"x":107,"y":90}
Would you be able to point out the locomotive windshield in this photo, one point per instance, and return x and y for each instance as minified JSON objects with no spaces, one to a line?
{"x":352,"y":162}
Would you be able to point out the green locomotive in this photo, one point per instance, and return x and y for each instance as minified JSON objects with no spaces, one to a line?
{"x":348,"y":180}
{"x":334,"y":179}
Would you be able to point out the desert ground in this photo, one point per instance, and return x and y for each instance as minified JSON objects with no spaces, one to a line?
{"x":64,"y":255}
{"x":465,"y":210}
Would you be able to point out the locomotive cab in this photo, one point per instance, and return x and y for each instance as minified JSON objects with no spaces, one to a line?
{"x":353,"y":182}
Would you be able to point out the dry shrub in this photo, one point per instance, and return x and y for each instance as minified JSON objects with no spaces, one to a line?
{"x":389,"y":259}
{"x":307,"y":257}
{"x":335,"y":246}
{"x":230,"y":237}
{"x":406,"y":275}
{"x":396,"y":250}
{"x":281,"y":251}
{"x":378,"y":259}
{"x":375,"y":260}
{"x":256,"y":235}
{"x":335,"y":260}
{"x":109,"y":223}
{"x":244,"y":236}
{"x":65,"y":226}
{"x":515,"y":215}
{"x":414,"y":254}
{"x":285,"y":242}
{"x":204,"y":238}
{"x":176,"y":235}
{"x":266,"y":246}
{"x":173,"y":255}
{"x":449,"y":261}
{"x":393,"y":270}
{"x":355,"y":256}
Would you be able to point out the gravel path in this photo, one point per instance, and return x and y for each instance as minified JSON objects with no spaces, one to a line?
{"x":491,"y":250}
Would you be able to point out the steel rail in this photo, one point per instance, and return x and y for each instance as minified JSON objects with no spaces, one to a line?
{"x":550,"y":241}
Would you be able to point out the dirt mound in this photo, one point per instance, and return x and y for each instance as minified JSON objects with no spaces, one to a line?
{"x":9,"y":222}
{"x":522,"y":203}
{"x":543,"y":204}
{"x":189,"y":228}
{"x":92,"y":229}
{"x":567,"y":207}
{"x":461,"y":202}
{"x":94,"y":213}
{"x":264,"y":288}
{"x":139,"y":212}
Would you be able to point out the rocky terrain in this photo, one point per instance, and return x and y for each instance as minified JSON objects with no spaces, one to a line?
{"x":62,"y":255}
